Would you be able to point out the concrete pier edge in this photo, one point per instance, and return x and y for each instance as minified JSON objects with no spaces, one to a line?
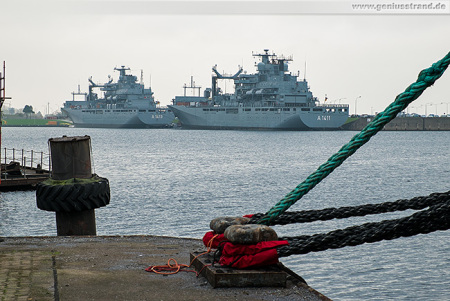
{"x":112,"y":268}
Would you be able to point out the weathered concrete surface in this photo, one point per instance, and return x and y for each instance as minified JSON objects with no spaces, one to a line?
{"x":112,"y":268}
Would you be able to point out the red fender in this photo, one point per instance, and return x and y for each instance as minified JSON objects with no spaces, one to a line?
{"x":215,"y":240}
{"x":245,"y":256}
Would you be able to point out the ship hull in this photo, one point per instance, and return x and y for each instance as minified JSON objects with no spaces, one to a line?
{"x":101,"y":118}
{"x":263,"y":118}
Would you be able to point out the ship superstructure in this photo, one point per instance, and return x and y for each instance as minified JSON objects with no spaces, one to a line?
{"x":123,"y":104}
{"x":271,"y":98}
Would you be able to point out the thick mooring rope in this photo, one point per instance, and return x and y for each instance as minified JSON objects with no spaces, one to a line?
{"x":435,"y":218}
{"x":307,"y":216}
{"x":426,"y":78}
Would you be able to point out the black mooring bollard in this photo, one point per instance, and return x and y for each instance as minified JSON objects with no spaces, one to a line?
{"x":76,"y":223}
{"x":72,"y":191}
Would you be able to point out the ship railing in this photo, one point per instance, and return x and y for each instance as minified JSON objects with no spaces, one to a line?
{"x":24,"y":163}
{"x":333,"y":105}
{"x":271,"y":104}
{"x":275,"y":105}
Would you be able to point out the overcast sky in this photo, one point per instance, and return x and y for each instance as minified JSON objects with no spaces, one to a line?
{"x":51,"y":49}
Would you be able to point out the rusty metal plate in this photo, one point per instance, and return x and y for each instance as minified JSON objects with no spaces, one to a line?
{"x":218,"y":276}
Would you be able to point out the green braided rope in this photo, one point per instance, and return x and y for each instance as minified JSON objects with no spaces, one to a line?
{"x":425,"y":79}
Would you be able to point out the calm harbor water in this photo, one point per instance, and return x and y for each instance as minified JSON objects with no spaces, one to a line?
{"x":173,"y":182}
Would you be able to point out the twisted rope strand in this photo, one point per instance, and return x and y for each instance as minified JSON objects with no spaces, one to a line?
{"x":307,"y":216}
{"x":435,"y":218}
{"x":426,"y":78}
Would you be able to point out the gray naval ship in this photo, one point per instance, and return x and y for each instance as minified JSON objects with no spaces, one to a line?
{"x":125,"y":104}
{"x":270,"y":99}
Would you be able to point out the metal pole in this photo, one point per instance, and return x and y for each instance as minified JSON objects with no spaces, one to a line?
{"x":23,"y":167}
{"x":2,"y":99}
{"x":355,"y":103}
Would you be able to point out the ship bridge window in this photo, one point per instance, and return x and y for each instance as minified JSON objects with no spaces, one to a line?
{"x":205,"y":110}
{"x":247,"y":110}
{"x":232,"y":111}
{"x":286,"y":109}
{"x":142,"y":111}
{"x":317,"y":109}
{"x":305,"y":109}
{"x":257,"y":109}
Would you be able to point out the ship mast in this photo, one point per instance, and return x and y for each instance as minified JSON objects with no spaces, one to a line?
{"x":192,"y":86}
{"x":122,"y":71}
{"x":78,"y":93}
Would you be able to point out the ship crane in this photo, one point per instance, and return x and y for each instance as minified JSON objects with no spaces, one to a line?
{"x":222,"y":76}
{"x":93,"y":85}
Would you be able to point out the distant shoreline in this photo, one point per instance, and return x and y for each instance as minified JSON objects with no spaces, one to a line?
{"x":23,"y":122}
{"x":34,"y":126}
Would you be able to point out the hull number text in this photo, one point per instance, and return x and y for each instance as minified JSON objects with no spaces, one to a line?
{"x":324,"y":117}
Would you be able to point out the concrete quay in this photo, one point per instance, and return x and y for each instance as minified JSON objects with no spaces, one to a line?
{"x":402,"y":124}
{"x":112,"y":268}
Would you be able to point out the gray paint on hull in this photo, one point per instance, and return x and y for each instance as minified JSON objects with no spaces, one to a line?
{"x":271,"y":120}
